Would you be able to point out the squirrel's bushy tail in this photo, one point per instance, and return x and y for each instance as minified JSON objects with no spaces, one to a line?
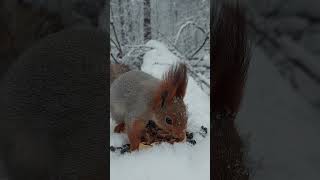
{"x":230,"y":57}
{"x":230,"y":64}
{"x":116,"y":70}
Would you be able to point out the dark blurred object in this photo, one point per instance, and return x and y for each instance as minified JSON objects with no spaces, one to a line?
{"x":25,"y":22}
{"x":21,"y":26}
{"x":230,"y":57}
{"x":53,"y":108}
{"x":189,"y":135}
{"x":90,"y":9}
{"x":203,"y":131}
{"x":71,"y":10}
{"x":289,"y":35}
{"x":53,"y":71}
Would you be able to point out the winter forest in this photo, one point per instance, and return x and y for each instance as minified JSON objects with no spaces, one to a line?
{"x":182,"y":25}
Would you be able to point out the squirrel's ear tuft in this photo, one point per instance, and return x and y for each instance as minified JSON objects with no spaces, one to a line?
{"x":164,"y":96}
{"x":173,"y":84}
{"x":176,"y":80}
{"x":181,"y":78}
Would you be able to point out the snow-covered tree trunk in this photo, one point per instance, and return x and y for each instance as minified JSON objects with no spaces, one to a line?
{"x":121,"y":12}
{"x":130,"y":26}
{"x":147,"y":20}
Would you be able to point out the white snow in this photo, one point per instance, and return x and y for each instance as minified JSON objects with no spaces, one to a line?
{"x":284,"y":127}
{"x":165,"y":161}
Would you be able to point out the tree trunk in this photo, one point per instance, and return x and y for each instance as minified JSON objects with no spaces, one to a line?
{"x":147,"y":20}
{"x":123,"y":34}
{"x":130,"y":28}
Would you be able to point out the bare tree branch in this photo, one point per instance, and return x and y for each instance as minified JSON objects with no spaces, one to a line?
{"x":186,"y":24}
{"x":115,"y":60}
{"x":198,"y":50}
{"x":115,"y":33}
{"x":119,"y":49}
{"x":186,"y":60}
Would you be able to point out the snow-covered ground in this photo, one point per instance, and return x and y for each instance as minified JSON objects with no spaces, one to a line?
{"x":285,"y":129}
{"x":165,"y":161}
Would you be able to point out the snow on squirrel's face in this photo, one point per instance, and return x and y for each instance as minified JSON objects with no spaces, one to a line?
{"x":172,"y":118}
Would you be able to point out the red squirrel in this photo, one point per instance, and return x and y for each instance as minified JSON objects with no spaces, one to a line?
{"x":137,"y":97}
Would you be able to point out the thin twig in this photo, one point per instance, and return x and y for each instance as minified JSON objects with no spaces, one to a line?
{"x":115,"y":44}
{"x":194,"y":74}
{"x":198,"y":50}
{"x":115,"y":60}
{"x":184,"y":26}
{"x":115,"y":33}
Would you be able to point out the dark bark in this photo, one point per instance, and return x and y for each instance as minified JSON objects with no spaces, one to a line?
{"x":147,"y":20}
{"x":123,"y":33}
{"x":130,"y":28}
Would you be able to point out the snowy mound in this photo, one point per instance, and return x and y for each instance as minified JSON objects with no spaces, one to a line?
{"x":165,"y":161}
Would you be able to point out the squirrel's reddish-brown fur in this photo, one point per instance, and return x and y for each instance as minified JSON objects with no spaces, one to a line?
{"x":173,"y":84}
{"x":156,"y":100}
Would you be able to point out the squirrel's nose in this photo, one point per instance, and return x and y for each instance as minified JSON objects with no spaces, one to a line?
{"x":181,"y":136}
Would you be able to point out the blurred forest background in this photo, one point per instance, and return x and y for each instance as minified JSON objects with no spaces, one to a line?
{"x":279,"y":117}
{"x":289,"y":34}
{"x":183,"y":25}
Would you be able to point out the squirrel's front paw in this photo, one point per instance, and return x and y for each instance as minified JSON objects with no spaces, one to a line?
{"x":144,"y":146}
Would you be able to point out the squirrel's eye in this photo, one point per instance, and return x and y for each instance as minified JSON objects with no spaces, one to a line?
{"x":168,"y":120}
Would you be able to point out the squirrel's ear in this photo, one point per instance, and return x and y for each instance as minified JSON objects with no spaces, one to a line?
{"x":182,"y":81}
{"x":164,"y":96}
{"x":176,"y":79}
{"x":161,"y":98}
{"x":173,"y":84}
